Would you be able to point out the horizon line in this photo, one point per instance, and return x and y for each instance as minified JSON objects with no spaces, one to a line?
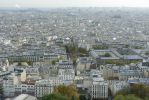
{"x":69,"y":7}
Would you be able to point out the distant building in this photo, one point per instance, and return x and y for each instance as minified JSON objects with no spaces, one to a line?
{"x":99,"y":90}
{"x":25,"y":88}
{"x":138,"y":81}
{"x":42,"y":88}
{"x":66,"y":75}
{"x":32,"y":70}
{"x":4,"y":74}
{"x":83,"y":63}
{"x":110,"y":71}
{"x":114,"y":56}
{"x":99,"y":87}
{"x":116,"y":86}
{"x":65,"y":64}
{"x":9,"y":85}
{"x":126,"y":74}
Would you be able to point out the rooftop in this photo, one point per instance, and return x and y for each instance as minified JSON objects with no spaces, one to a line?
{"x":25,"y":97}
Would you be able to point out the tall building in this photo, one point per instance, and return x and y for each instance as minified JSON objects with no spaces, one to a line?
{"x":42,"y":88}
{"x":99,"y":90}
{"x":99,"y":87}
{"x":9,"y":85}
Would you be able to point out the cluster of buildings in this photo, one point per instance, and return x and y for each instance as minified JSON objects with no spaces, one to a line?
{"x":93,"y":75}
{"x":34,"y":59}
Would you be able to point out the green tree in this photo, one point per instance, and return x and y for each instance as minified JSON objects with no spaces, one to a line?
{"x":119,"y":97}
{"x":83,"y":52}
{"x":127,"y":97}
{"x":146,"y":98}
{"x":1,"y":92}
{"x":139,"y":90}
{"x":54,"y":96}
{"x":30,"y":63}
{"x":53,"y":62}
{"x":82,"y":97}
{"x":131,"y":97}
{"x":107,"y":55}
{"x":19,"y":64}
{"x":103,"y":46}
{"x":56,"y":60}
{"x":68,"y":91}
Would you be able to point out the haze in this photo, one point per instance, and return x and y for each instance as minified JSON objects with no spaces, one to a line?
{"x":73,"y":3}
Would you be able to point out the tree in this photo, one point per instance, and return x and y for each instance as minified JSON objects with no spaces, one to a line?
{"x":140,"y":90}
{"x":1,"y":92}
{"x":127,"y":97}
{"x":147,"y":53}
{"x":146,"y":98}
{"x":127,"y":46}
{"x":73,"y":50}
{"x":74,"y":62}
{"x":82,"y":97}
{"x":54,"y":96}
{"x":124,"y":91}
{"x":68,"y":91}
{"x":83,"y":52}
{"x":53,"y":62}
{"x":131,"y":97}
{"x":19,"y":64}
{"x":103,"y":46}
{"x":30,"y":63}
{"x":119,"y":97}
{"x":107,"y":55}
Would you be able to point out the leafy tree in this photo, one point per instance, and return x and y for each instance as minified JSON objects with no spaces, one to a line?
{"x":107,"y":55}
{"x":104,"y":46}
{"x":56,"y":60}
{"x":127,"y":46}
{"x":82,"y":97}
{"x":147,"y":53}
{"x":119,"y":97}
{"x":1,"y":89}
{"x":1,"y":92}
{"x":53,"y":62}
{"x":68,"y":91}
{"x":131,"y":97}
{"x":124,"y":91}
{"x":73,"y":50}
{"x":83,"y":52}
{"x":30,"y":63}
{"x":146,"y":98}
{"x":140,"y":90}
{"x":19,"y":64}
{"x":127,"y":97}
{"x":121,"y":62}
{"x":54,"y":96}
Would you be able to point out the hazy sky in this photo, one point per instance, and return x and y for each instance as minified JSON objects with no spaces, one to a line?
{"x":74,"y":3}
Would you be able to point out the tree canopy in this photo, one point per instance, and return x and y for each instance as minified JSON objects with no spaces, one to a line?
{"x":103,"y":46}
{"x":62,"y":92}
{"x":140,"y":90}
{"x":54,"y":96}
{"x":68,"y":91}
{"x":127,"y":97}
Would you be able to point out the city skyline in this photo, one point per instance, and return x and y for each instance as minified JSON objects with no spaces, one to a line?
{"x":72,"y":3}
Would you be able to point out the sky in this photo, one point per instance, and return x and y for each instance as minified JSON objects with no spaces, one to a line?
{"x":73,"y":3}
